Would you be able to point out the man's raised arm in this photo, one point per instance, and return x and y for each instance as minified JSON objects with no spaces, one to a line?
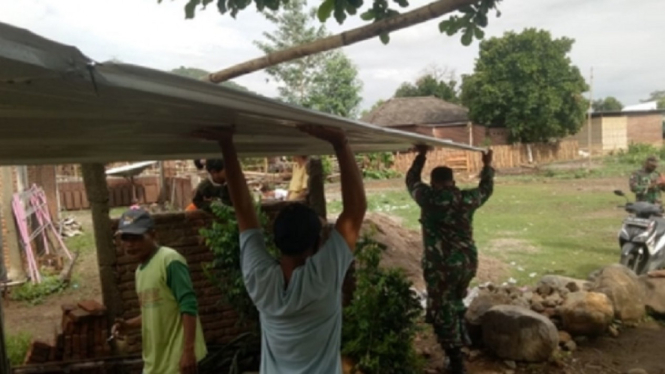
{"x":354,"y":202}
{"x":240,"y":196}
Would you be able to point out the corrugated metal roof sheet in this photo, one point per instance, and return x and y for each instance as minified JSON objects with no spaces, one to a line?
{"x":57,"y":106}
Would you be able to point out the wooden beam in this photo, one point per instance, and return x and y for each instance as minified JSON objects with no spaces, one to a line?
{"x":4,"y":359}
{"x":316,"y":197}
{"x":94,"y":179}
{"x":14,"y":265}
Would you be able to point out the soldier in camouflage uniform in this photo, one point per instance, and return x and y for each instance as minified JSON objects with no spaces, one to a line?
{"x":646,"y":183}
{"x":450,"y":258}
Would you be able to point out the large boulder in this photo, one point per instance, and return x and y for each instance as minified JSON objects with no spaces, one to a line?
{"x":586,"y":313}
{"x":654,"y":294}
{"x":518,"y":334}
{"x":623,"y":289}
{"x":482,"y":303}
{"x":558,"y":282}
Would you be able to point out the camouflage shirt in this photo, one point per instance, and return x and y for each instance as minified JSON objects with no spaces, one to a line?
{"x":640,"y":183}
{"x":447,"y":214}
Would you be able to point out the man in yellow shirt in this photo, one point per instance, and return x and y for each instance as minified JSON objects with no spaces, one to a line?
{"x":299,"y":179}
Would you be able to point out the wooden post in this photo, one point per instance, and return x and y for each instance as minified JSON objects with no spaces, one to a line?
{"x":15,"y":270}
{"x":94,"y":178}
{"x":316,"y":197}
{"x":4,"y":360}
{"x":162,"y":185}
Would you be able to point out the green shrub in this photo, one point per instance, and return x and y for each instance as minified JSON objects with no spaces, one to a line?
{"x":35,"y":293}
{"x":637,"y":153}
{"x":223,"y":239}
{"x":381,"y":322}
{"x":17,"y":347}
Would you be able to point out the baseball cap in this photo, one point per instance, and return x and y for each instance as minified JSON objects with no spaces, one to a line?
{"x":135,"y":222}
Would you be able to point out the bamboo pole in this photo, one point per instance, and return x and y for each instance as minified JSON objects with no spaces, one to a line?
{"x":414,"y":17}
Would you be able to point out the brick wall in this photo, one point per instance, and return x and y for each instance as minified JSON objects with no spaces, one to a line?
{"x":180,"y":231}
{"x":646,"y":129}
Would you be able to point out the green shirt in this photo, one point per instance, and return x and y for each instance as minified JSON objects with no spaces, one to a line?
{"x":165,"y":292}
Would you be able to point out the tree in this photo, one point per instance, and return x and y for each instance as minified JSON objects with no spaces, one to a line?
{"x":337,"y":89}
{"x":293,"y":28}
{"x":473,"y":18}
{"x":376,"y":105}
{"x":196,"y":73}
{"x":436,"y":82}
{"x":658,"y":97}
{"x":526,"y":83}
{"x":327,"y":82}
{"x":608,"y":104}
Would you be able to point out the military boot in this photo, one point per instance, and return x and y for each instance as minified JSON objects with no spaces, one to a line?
{"x":455,"y":361}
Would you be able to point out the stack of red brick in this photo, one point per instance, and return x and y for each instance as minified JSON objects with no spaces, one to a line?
{"x":83,"y":334}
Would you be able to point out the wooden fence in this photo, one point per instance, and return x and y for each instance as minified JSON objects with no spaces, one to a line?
{"x":505,"y":157}
{"x":178,"y":191}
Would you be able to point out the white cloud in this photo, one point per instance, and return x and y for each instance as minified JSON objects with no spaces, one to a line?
{"x":620,"y":39}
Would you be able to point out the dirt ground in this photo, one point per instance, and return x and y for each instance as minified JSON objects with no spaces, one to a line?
{"x":41,"y":320}
{"x":635,"y":348}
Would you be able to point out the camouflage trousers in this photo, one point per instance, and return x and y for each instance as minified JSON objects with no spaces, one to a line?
{"x":447,"y":276}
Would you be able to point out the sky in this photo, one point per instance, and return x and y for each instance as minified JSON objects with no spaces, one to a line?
{"x":621,"y":40}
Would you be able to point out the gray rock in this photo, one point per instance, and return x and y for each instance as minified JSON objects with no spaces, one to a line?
{"x":623,"y":289}
{"x":538,"y":307}
{"x":586,"y":313}
{"x":637,"y":371}
{"x":484,"y":302}
{"x":570,"y":346}
{"x":559,"y":281}
{"x":518,"y":334}
{"x":553,"y":300}
{"x":544,"y":289}
{"x":654,"y":294}
{"x":511,"y":364}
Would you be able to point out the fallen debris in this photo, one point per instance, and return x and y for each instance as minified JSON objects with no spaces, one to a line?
{"x":81,"y":335}
{"x":69,"y":227}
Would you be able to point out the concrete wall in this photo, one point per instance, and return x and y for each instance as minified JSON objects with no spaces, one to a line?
{"x":647,"y":129}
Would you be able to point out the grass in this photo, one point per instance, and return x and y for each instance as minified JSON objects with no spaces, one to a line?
{"x":536,"y":228}
{"x":17,"y":347}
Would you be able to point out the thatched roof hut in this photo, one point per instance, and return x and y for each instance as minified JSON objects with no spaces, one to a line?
{"x":408,"y":111}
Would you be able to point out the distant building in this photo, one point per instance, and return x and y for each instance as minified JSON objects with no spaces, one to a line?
{"x":613,"y":131}
{"x":434,"y":117}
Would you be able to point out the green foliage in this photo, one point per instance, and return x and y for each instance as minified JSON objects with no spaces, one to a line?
{"x":526,"y":83}
{"x":224,"y":272}
{"x":657,"y":96}
{"x":377,"y":165}
{"x":368,"y":111}
{"x":35,"y":293}
{"x":471,"y":22}
{"x":196,"y":73}
{"x":381,"y":322}
{"x":17,"y":347}
{"x":608,"y":104}
{"x":337,"y":89}
{"x":637,"y":153}
{"x":326,"y":81}
{"x":440,"y":85}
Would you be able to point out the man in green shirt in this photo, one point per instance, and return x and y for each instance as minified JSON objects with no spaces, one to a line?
{"x":646,"y":183}
{"x":172,"y":334}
